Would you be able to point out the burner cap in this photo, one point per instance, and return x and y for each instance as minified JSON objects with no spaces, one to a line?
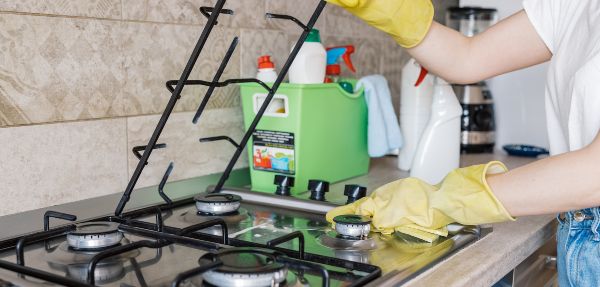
{"x":352,"y":226}
{"x":247,"y":267}
{"x":217,"y":203}
{"x":94,"y":235}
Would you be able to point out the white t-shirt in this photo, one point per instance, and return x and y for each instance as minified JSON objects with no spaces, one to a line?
{"x":571,"y":30}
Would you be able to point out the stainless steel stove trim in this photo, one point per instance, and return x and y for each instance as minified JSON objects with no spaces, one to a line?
{"x":280,"y":201}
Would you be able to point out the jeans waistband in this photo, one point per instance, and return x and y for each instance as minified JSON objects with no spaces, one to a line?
{"x":588,"y":218}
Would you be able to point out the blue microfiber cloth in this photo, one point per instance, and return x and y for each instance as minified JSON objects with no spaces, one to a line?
{"x":383,"y":129}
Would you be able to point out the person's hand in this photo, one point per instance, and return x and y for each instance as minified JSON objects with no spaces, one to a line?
{"x":416,"y":208}
{"x":407,"y":21}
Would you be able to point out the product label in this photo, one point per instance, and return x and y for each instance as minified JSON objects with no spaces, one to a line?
{"x":273,"y":151}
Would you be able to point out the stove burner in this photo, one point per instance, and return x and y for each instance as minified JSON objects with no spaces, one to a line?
{"x":245,"y":267}
{"x":94,"y":235}
{"x":103,"y":274}
{"x":217,"y":203}
{"x":336,"y":242}
{"x":64,"y":255}
{"x":352,"y":226}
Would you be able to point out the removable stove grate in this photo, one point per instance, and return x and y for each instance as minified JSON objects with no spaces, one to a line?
{"x":176,"y":87}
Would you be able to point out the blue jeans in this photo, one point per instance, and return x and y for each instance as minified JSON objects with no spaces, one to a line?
{"x":579,"y":248}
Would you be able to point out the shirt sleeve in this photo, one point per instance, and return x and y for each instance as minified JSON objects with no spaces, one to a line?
{"x":544,"y":15}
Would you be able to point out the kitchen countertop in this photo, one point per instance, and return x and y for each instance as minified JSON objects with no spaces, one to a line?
{"x":480,"y":264}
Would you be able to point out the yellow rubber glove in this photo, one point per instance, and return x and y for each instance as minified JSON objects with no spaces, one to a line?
{"x":407,"y":21}
{"x":416,"y":208}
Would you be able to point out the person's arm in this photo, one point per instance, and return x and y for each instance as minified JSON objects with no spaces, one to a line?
{"x":560,"y":183}
{"x":509,"y":45}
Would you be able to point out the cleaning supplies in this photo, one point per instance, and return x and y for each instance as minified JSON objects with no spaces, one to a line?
{"x":439,"y":148}
{"x":334,"y":69}
{"x":266,"y":70}
{"x":320,"y":134}
{"x":309,"y":65}
{"x":415,"y":108}
{"x":383,"y":130}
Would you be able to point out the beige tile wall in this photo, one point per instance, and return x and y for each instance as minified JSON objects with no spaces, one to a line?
{"x":43,"y":165}
{"x":82,"y":82}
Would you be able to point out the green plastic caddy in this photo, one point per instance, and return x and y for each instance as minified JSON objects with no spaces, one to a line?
{"x":316,"y":131}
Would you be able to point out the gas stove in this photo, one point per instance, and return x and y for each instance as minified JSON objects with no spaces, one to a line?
{"x":222,"y":236}
{"x":122,"y":251}
{"x":234,"y":238}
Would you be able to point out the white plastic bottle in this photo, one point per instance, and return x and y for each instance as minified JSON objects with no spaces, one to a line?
{"x":309,"y":65}
{"x":415,"y":108}
{"x":266,"y":70}
{"x":439,"y":147}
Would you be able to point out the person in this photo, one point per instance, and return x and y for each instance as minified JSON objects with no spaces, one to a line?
{"x":564,"y":32}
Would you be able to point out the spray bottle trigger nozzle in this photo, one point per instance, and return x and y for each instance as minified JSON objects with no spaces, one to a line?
{"x":344,"y":52}
{"x":347,"y":59}
{"x":422,"y":76}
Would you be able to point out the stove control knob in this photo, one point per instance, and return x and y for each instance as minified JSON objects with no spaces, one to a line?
{"x":354,"y":192}
{"x":318,"y":188}
{"x":284,"y":184}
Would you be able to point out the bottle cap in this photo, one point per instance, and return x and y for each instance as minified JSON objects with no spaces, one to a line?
{"x":313,"y":36}
{"x":264,"y":62}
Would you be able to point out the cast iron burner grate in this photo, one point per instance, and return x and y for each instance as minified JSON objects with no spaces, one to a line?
{"x":94,"y":236}
{"x":217,"y":204}
{"x":248,"y":267}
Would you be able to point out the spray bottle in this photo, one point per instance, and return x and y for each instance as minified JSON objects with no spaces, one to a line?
{"x":415,"y":109}
{"x":439,"y":148}
{"x":334,"y":69}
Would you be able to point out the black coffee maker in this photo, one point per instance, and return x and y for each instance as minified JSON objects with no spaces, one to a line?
{"x":478,"y":127}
